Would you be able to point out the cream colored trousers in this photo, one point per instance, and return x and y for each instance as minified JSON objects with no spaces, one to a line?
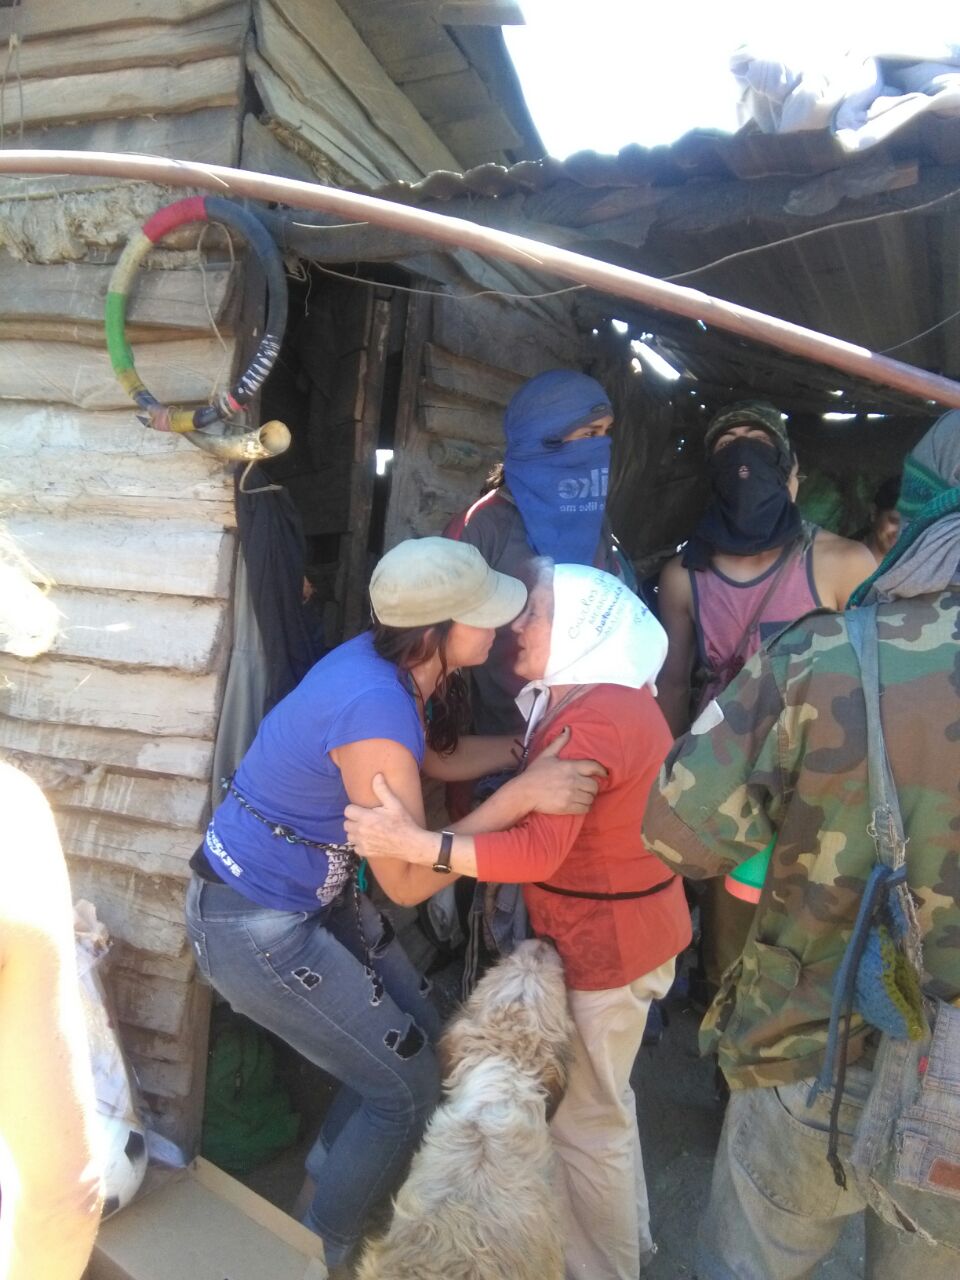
{"x":595,"y":1133}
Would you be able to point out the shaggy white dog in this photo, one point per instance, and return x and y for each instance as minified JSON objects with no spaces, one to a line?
{"x":479,"y":1203}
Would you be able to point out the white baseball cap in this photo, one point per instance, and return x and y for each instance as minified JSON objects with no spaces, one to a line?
{"x":427,"y":580}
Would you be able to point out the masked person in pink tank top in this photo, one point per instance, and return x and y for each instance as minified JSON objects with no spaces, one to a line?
{"x":752,"y":566}
{"x":770,"y":601}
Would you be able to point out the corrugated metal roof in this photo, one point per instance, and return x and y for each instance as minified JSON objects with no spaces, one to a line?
{"x":864,"y":247}
{"x":702,"y":153}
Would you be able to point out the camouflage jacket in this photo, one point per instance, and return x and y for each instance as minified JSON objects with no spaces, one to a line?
{"x":787,"y":756}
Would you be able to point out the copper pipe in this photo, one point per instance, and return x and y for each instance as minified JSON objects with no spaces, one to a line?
{"x":458,"y":233}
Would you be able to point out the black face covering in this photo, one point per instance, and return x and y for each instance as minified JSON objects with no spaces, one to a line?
{"x":751,"y":510}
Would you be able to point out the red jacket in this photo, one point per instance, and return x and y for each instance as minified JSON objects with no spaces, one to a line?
{"x":603,"y":943}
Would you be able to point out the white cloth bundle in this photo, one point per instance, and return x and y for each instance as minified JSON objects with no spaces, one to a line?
{"x":862,"y":98}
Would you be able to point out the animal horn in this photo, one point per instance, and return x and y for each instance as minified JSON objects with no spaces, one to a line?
{"x":268,"y":441}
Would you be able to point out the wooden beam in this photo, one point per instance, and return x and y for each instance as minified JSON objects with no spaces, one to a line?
{"x":144,"y":753}
{"x":153,"y":849}
{"x":446,"y":413}
{"x":209,"y":35}
{"x":330,"y":151}
{"x":73,"y":291}
{"x":93,"y":508}
{"x":406,"y":38}
{"x":455,"y":97}
{"x":470,"y":378}
{"x":416,"y":337}
{"x":460,"y":456}
{"x":406,"y":426}
{"x":62,"y":454}
{"x":180,"y":968}
{"x":158,"y":1004}
{"x":324,"y":103}
{"x":169,"y":802}
{"x":156,"y":1077}
{"x":263,"y":152}
{"x":332,"y":38}
{"x":183,"y":559}
{"x":502,"y":335}
{"x":208,"y":136}
{"x":367,"y":426}
{"x":180,"y":1119}
{"x":481,"y":13}
{"x":79,"y":693}
{"x":134,"y":91}
{"x":61,"y":373}
{"x":34,"y":19}
{"x":142,"y":630}
{"x":480,"y":137}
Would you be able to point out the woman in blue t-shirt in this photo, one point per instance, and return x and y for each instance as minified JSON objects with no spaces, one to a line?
{"x":273,"y":911}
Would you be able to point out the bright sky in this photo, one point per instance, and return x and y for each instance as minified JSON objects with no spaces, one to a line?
{"x":600,"y":74}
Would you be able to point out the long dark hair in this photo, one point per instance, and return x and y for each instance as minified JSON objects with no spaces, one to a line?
{"x":447,"y":712}
{"x":496,"y":479}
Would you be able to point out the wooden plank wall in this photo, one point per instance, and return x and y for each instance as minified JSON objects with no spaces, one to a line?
{"x":134,"y":529}
{"x":164,"y":78}
{"x":330,"y":101}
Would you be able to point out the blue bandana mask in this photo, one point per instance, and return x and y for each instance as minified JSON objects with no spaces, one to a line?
{"x":559,"y":488}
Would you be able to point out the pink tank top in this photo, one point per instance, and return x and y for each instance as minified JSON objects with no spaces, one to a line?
{"x":722,"y":609}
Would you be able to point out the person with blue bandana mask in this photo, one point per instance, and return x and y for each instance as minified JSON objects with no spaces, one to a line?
{"x":547,"y":499}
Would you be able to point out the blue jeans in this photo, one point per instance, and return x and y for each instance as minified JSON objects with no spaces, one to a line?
{"x":304,"y":977}
{"x":775,"y":1210}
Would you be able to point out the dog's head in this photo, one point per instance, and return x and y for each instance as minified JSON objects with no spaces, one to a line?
{"x":519,"y":1012}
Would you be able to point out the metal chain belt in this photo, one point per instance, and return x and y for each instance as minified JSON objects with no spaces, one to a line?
{"x":287,"y":833}
{"x":277,"y":828}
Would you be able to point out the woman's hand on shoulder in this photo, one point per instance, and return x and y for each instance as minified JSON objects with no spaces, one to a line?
{"x":385,"y":830}
{"x":552,"y":785}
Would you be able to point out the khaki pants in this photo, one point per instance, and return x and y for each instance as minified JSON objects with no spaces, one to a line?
{"x":595,"y":1133}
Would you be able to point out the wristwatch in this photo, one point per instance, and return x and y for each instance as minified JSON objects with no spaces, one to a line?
{"x":442,"y":863}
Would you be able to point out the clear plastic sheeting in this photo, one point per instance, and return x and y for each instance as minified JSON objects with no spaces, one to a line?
{"x":121,"y":1135}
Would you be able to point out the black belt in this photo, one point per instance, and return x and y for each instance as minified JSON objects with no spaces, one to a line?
{"x":200,"y":865}
{"x":606,"y":897}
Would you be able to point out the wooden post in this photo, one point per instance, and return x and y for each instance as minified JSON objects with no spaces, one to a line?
{"x":370,"y":393}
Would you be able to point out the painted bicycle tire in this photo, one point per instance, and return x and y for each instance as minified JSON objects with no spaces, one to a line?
{"x":179,"y":214}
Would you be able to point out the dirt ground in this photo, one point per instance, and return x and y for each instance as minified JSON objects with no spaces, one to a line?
{"x":680,"y":1123}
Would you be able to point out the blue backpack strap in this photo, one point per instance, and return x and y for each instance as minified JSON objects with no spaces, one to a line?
{"x":887,"y":825}
{"x":881,"y":880}
{"x":886,"y":883}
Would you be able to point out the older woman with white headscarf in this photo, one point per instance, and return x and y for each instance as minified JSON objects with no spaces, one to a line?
{"x":589,"y":651}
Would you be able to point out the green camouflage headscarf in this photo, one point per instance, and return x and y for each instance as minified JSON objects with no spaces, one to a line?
{"x":924,"y":559}
{"x":759,"y":413}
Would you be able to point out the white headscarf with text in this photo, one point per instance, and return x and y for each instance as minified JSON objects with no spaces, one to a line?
{"x":601,"y":634}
